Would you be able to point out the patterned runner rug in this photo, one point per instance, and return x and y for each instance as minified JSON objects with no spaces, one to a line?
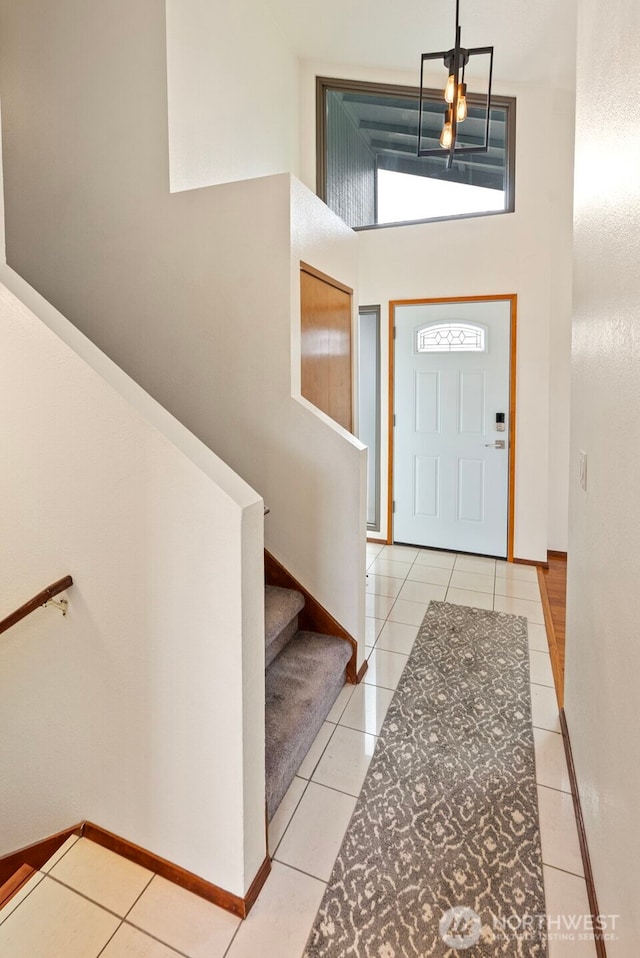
{"x":442,"y":854}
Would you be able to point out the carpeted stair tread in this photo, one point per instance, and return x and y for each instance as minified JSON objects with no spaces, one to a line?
{"x":281,"y":606}
{"x":302,"y":684}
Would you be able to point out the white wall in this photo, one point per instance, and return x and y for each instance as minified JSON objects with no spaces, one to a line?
{"x":526,"y":253}
{"x":561,"y":202}
{"x":141,"y":710}
{"x":603,"y":654}
{"x":334,"y":488}
{"x":233,"y":93}
{"x":191,"y":292}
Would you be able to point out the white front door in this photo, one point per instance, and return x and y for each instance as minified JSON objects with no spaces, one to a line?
{"x":451,"y":456}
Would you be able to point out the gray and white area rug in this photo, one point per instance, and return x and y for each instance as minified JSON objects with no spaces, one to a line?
{"x":442,"y":855}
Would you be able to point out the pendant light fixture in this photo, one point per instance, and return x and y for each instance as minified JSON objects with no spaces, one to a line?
{"x":455,"y":109}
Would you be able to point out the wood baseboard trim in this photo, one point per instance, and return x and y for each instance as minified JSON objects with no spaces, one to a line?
{"x":180,"y":876}
{"x":551,"y":639}
{"x":256,"y":885}
{"x":536,"y":562}
{"x":314,"y":617}
{"x":555,"y":554}
{"x":601,"y":950}
{"x":377,"y":542}
{"x":36,"y":854}
{"x":362,"y":672}
{"x":13,"y":885}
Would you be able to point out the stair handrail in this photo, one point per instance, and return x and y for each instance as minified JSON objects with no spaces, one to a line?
{"x":36,"y":602}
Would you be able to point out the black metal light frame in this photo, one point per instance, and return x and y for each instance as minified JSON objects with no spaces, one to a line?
{"x":456,"y":61}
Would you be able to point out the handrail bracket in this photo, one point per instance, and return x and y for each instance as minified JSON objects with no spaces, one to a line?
{"x":61,"y":604}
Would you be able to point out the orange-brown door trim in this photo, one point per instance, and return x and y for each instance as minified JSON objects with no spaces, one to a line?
{"x":513,"y":299}
{"x":330,"y":280}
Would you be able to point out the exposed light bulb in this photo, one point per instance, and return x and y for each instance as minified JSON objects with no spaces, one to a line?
{"x":446,"y":137}
{"x":461,"y":113}
{"x":450,"y":88}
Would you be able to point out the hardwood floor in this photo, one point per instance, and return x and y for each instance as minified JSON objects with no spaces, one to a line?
{"x":553,"y":589}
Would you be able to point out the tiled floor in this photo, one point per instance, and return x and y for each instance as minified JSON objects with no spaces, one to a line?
{"x":93,"y":903}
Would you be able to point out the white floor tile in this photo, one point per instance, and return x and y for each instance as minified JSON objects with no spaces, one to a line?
{"x":551,"y":763}
{"x":400,"y":553}
{"x":532,"y":610}
{"x":315,"y":832}
{"x":383,"y":585}
{"x":280,"y":821}
{"x":374,"y":549}
{"x":183,"y":920}
{"x":567,"y":901}
{"x":537,"y":637}
{"x":54,"y":922}
{"x":558,"y":831}
{"x":409,"y":613}
{"x":544,"y":708}
{"x":429,"y":573}
{"x":280,"y":921}
{"x":129,"y":942}
{"x":397,"y":637}
{"x":432,"y":557}
{"x":478,"y":600}
{"x":102,"y":876}
{"x":518,"y":589}
{"x":378,"y":606}
{"x":367,"y":708}
{"x":392,"y":567}
{"x":540,"y":668}
{"x":422,"y":592}
{"x":318,"y":746}
{"x":473,"y":581}
{"x":26,"y":890}
{"x":480,"y":564}
{"x":345,"y":760}
{"x":62,"y":851}
{"x":385,"y":668}
{"x":373,"y":627}
{"x":340,"y":703}
{"x":516,"y":570}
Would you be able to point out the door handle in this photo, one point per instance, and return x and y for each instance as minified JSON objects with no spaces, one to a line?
{"x":498,"y":444}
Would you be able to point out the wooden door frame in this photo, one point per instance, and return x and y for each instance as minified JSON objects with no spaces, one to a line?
{"x":501,"y":297}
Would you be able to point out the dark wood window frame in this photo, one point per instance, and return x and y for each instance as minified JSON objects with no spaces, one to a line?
{"x":325,"y":84}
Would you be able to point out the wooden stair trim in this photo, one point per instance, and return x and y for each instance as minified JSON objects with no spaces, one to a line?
{"x":180,"y":876}
{"x":35,"y":855}
{"x":361,"y":673}
{"x":13,"y":885}
{"x":314,"y":617}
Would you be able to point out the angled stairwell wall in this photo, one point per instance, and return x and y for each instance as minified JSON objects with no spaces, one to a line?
{"x":193,"y":293}
{"x":141,"y":710}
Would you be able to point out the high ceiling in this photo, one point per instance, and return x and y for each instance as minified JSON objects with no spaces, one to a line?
{"x":534,"y":40}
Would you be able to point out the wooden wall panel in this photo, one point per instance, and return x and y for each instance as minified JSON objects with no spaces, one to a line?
{"x":326,"y":372}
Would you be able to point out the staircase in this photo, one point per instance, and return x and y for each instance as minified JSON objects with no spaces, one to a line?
{"x":305,"y":672}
